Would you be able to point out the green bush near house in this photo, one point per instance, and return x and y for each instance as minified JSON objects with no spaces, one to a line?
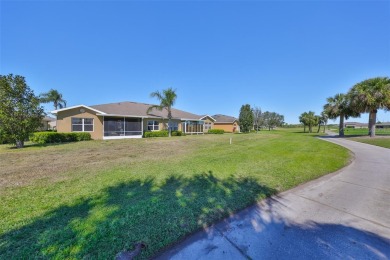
{"x":216,"y":131}
{"x":177,"y":133}
{"x":54,"y":137}
{"x":162,"y":133}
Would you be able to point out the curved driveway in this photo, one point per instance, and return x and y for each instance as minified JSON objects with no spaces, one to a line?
{"x":341,"y":215}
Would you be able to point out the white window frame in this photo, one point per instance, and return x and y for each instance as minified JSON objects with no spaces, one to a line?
{"x":174,"y":125}
{"x":83,"y":124}
{"x":154,"y":125}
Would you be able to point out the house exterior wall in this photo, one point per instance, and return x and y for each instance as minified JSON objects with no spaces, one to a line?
{"x":208,"y":124}
{"x":64,"y":121}
{"x":227,"y":127}
{"x":44,"y":126}
{"x":163,"y":124}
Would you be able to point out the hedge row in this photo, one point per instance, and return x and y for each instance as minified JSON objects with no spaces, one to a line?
{"x":162,"y":133}
{"x":54,"y":137}
{"x":216,"y":131}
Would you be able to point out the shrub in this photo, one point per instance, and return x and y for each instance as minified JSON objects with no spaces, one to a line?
{"x":216,"y":131}
{"x":54,"y":137}
{"x":177,"y":133}
{"x":162,"y":133}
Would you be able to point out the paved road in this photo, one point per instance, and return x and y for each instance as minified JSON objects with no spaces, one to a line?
{"x":339,"y":216}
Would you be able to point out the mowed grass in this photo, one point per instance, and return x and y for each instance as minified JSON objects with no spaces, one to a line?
{"x":378,"y":141}
{"x":94,"y":199}
{"x":364,"y":131}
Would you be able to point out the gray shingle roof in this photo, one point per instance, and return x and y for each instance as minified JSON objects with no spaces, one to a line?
{"x":223,"y":118}
{"x":48,"y":119}
{"x":127,"y":108}
{"x":356,"y":123}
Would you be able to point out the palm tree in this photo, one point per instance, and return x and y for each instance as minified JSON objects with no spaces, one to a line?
{"x":308,"y":119}
{"x":338,"y":106}
{"x":319,"y":122}
{"x":53,"y":96}
{"x":167,"y":99}
{"x":369,"y":96}
{"x":324,"y":119}
{"x":303,"y":120}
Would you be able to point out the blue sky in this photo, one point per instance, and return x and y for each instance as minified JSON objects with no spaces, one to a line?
{"x":283,"y":56}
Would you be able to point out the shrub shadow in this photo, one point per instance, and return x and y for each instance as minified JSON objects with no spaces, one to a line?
{"x":156,"y":212}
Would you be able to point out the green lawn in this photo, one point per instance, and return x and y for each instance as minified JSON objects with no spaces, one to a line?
{"x":94,"y":199}
{"x":378,"y":141}
{"x":364,"y":131}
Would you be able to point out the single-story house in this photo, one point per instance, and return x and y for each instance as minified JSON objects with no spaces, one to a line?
{"x":47,"y":123}
{"x":383,"y":125}
{"x":124,"y":120}
{"x":226,"y":123}
{"x":355,"y":125}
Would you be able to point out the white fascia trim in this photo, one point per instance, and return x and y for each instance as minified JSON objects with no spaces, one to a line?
{"x":67,"y":108}
{"x":186,"y":119}
{"x":118,"y":115}
{"x":226,"y":122}
{"x":209,"y":117}
{"x":121,"y":137}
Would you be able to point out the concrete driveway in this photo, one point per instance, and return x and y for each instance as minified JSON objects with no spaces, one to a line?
{"x":342,"y":215}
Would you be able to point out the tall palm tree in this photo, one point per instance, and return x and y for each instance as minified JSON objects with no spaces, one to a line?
{"x":167,"y":99}
{"x":338,"y":106}
{"x":324,"y":119}
{"x":369,"y":96}
{"x":53,"y":96}
{"x":308,"y":119}
{"x":303,"y":120}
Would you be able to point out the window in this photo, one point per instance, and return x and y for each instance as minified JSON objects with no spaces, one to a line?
{"x":174,"y":126}
{"x":207,"y":126}
{"x":153,"y":126}
{"x":82,"y":124}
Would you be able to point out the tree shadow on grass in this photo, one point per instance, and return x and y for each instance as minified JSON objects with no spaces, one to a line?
{"x":267,"y":230}
{"x":154,"y":212}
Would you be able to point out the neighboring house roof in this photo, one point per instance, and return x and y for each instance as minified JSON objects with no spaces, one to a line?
{"x":127,"y":108}
{"x":383,"y":124}
{"x":356,"y":124}
{"x":224,"y":119}
{"x":48,"y":119}
{"x":204,"y":116}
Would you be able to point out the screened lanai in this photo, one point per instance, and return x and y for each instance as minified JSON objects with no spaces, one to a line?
{"x":193,"y":127}
{"x":122,"y":127}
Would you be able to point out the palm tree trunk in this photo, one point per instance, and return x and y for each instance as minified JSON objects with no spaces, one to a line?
{"x":324,"y":127}
{"x":371,"y":123}
{"x":169,"y":122}
{"x":341,"y":126}
{"x":319,"y":128}
{"x":19,"y":143}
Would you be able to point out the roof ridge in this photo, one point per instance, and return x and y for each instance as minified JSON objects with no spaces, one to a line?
{"x":114,"y":103}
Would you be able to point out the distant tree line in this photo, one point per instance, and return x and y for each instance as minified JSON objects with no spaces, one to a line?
{"x":254,"y":118}
{"x":367,"y":96}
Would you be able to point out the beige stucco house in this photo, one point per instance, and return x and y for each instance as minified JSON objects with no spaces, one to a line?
{"x":124,"y":120}
{"x":355,"y":125}
{"x":227,"y":123}
{"x":47,"y":123}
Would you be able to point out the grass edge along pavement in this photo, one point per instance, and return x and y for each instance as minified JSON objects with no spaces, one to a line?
{"x":377,"y":141}
{"x":96,"y":212}
{"x":381,"y":139}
